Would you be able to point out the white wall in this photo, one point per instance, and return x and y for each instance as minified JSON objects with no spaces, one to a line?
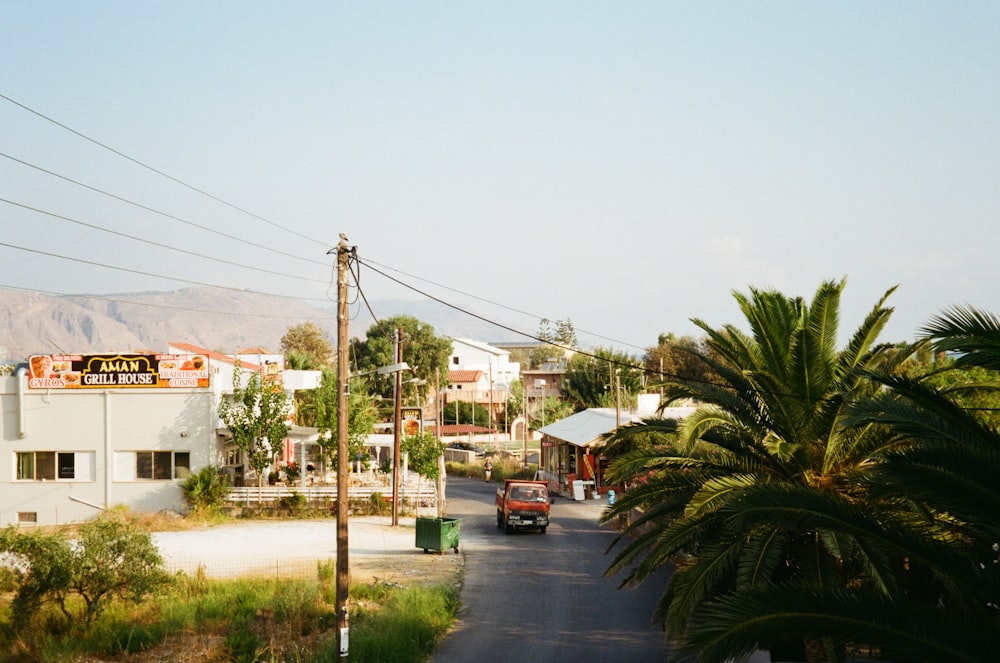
{"x":494,"y":362}
{"x":98,"y":425}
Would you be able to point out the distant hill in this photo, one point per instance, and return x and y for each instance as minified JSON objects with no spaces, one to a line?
{"x":223,"y":320}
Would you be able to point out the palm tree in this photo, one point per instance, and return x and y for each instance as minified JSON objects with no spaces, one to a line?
{"x":943,"y":470}
{"x":759,"y":494}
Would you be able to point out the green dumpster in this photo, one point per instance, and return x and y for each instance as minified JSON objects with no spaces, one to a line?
{"x":438,"y":534}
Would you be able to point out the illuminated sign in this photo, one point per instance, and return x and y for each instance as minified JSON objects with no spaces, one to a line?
{"x":117,"y":371}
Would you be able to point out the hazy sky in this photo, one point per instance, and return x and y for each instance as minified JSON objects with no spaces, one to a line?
{"x":624,"y":165}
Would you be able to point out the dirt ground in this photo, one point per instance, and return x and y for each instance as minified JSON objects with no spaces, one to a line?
{"x":293,"y":547}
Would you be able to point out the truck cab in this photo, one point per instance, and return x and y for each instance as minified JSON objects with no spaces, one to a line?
{"x":522,"y":504}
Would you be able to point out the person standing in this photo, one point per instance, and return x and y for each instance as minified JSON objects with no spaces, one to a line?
{"x":488,"y":468}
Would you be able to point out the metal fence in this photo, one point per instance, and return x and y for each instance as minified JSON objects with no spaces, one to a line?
{"x":278,"y":568}
{"x":322,"y":495}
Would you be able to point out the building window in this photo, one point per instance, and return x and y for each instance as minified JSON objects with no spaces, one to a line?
{"x":53,"y":465}
{"x":27,"y":516}
{"x":66,"y":466}
{"x":454,"y":360}
{"x":234,"y":456}
{"x":162,"y":465}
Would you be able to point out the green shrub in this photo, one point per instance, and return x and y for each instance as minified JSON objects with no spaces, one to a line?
{"x":206,"y":490}
{"x":294,"y":502}
{"x":378,"y":504}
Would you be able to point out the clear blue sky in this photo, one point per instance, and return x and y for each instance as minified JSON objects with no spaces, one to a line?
{"x":624,"y":165}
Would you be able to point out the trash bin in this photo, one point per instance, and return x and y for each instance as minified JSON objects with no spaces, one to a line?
{"x":611,"y":497}
{"x":578,"y":491}
{"x":438,"y":534}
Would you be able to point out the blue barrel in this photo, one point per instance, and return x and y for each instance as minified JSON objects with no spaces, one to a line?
{"x":611,"y":497}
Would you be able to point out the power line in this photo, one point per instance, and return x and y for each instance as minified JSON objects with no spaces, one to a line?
{"x":156,"y":211}
{"x":158,"y":244}
{"x":356,"y":273}
{"x":159,"y":276}
{"x":499,"y":324}
{"x":161,"y":173}
{"x":491,"y":302}
{"x":129,"y":302}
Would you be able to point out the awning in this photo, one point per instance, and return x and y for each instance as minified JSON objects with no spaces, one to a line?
{"x":585,"y":429}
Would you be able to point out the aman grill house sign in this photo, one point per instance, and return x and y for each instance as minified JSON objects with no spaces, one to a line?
{"x":117,"y":371}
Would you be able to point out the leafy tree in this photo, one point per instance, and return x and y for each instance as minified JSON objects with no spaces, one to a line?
{"x":465,"y":412}
{"x":547,"y":410}
{"x":591,"y":380}
{"x":361,"y":416}
{"x":207,"y":489}
{"x":423,"y":351}
{"x":766,"y":497}
{"x":42,"y":571}
{"x":308,"y":346}
{"x":557,"y":338}
{"x":257,"y":418}
{"x":111,"y":557}
{"x":674,"y":358}
{"x":515,"y":401}
{"x":423,"y":451}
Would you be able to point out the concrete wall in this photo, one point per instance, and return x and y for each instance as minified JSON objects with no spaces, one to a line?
{"x":103,"y":429}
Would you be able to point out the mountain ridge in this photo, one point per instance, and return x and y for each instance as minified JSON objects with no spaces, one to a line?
{"x":223,"y":320}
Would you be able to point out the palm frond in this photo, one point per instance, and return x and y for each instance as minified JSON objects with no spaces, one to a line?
{"x":764,"y":617}
{"x":972,"y":333}
{"x":866,"y":335}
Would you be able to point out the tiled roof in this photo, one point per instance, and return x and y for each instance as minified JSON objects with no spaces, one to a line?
{"x":214,"y":356}
{"x":465,"y":376}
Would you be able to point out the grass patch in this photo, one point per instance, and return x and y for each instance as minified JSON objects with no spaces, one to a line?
{"x":248,"y":620}
{"x":506,"y":468}
{"x":399,"y":625}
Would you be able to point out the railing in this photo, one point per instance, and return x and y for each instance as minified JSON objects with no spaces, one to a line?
{"x":318,"y":495}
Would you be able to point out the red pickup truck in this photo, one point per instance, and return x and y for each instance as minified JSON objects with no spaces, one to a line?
{"x":522,"y":503}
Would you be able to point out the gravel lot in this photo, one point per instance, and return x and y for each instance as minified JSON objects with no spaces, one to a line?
{"x":293,"y":547}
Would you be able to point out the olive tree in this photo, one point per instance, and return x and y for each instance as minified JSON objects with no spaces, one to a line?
{"x":110,"y":557}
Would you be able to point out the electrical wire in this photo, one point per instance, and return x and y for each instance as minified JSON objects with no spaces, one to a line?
{"x":130,"y":302}
{"x":494,"y":322}
{"x":497,"y":304}
{"x":610,"y":360}
{"x":157,"y":244}
{"x":156,"y":211}
{"x":263,"y":219}
{"x":161,"y":173}
{"x":159,"y":276}
{"x":356,"y":273}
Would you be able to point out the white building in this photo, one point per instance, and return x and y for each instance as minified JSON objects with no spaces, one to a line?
{"x":81,"y":433}
{"x":498,"y":370}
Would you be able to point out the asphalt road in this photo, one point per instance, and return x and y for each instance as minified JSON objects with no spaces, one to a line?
{"x":544,"y":597}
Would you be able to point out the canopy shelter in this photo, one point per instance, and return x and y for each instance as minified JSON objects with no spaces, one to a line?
{"x":568,"y":445}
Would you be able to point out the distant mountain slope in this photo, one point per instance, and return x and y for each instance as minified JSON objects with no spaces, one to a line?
{"x":224,"y":320}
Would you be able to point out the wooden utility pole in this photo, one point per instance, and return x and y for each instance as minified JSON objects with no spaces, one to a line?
{"x":397,"y":429}
{"x":440,"y":482}
{"x":618,"y":400}
{"x":343,"y":467}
